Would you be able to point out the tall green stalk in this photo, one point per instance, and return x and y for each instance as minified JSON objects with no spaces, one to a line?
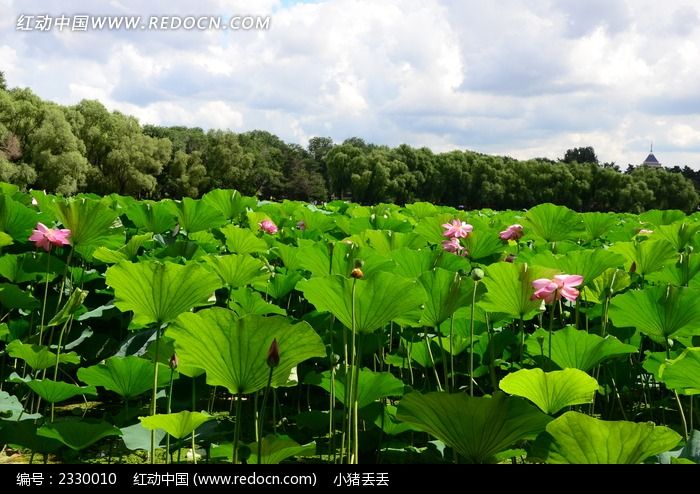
{"x":154,"y":393}
{"x":237,"y":428}
{"x":471,"y":340}
{"x":261,"y":418}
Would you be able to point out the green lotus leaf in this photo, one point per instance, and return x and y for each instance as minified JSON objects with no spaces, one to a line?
{"x":57,"y":391}
{"x":91,"y":223}
{"x":78,"y":434}
{"x":378,"y":300}
{"x":39,"y":357}
{"x":245,"y":302}
{"x":13,"y":297}
{"x":154,"y":217}
{"x":430,"y":228}
{"x":446,"y":292}
{"x":136,"y":436}
{"x":553,"y":223}
{"x":242,"y":241}
{"x":658,"y":311}
{"x":598,"y":224}
{"x":648,"y":256}
{"x":384,"y":242}
{"x":159,"y":292}
{"x":74,"y":302}
{"x":576,"y":438}
{"x":679,"y":274}
{"x":10,"y":407}
{"x":679,"y":235}
{"x":683,"y":373}
{"x":412,"y":263}
{"x":125,"y":253}
{"x":230,"y":203}
{"x":279,"y":284}
{"x":340,"y":258}
{"x":509,"y":288}
{"x":372,"y":385}
{"x":16,"y":220}
{"x":483,"y":242}
{"x":588,"y":263}
{"x":178,"y":425}
{"x":31,"y":266}
{"x":662,"y":217}
{"x":574,"y":348}
{"x":551,"y":391}
{"x":128,"y":376}
{"x":237,"y":270}
{"x":477,"y":428}
{"x":276,"y":449}
{"x":233,"y":351}
{"x":607,"y":284}
{"x":24,"y":434}
{"x":195,"y":215}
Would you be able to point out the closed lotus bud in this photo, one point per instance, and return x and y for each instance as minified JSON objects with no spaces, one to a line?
{"x":510,"y":258}
{"x":273,"y":354}
{"x":477,"y":274}
{"x":174,"y":361}
{"x":633,"y":267}
{"x":357,"y":273}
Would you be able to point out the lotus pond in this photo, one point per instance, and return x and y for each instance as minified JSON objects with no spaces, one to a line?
{"x":225,"y":329}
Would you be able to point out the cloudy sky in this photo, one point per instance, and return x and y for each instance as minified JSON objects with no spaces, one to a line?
{"x":524,"y":78}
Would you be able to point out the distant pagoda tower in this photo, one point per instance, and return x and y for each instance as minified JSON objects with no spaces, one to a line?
{"x":651,"y":159}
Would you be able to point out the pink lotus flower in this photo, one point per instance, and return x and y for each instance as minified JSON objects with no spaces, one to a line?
{"x":562,"y":285}
{"x":457,"y":229}
{"x":268,"y":227}
{"x":513,"y":232}
{"x":301,"y":225}
{"x":48,"y":237}
{"x":452,"y":245}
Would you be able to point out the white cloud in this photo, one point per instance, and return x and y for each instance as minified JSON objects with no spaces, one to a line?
{"x":523,"y":78}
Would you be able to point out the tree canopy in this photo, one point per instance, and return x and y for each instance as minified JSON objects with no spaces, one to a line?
{"x":87,"y":148}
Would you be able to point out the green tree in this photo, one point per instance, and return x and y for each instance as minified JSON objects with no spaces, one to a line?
{"x":123,"y":158}
{"x":671,"y":190}
{"x":228,"y":165}
{"x":58,"y":155}
{"x":581,"y":155}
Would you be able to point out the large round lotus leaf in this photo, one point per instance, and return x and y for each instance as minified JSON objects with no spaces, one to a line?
{"x":91,"y":224}
{"x":39,"y":357}
{"x":159,"y":292}
{"x":648,"y":256}
{"x":178,"y":425}
{"x":658,"y":311}
{"x":578,"y":438}
{"x":237,"y":270}
{"x":372,"y":386}
{"x":553,"y":223}
{"x":276,"y":449}
{"x":127,"y":376}
{"x":509,"y":290}
{"x":577,"y":349}
{"x":683,"y":373}
{"x":551,"y":391}
{"x":233,"y":351}
{"x":446,"y":292}
{"x":477,"y":428}
{"x":78,"y":433}
{"x":57,"y":391}
{"x":378,"y":300}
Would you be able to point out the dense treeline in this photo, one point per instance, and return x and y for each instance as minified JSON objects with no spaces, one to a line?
{"x":86,"y":148}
